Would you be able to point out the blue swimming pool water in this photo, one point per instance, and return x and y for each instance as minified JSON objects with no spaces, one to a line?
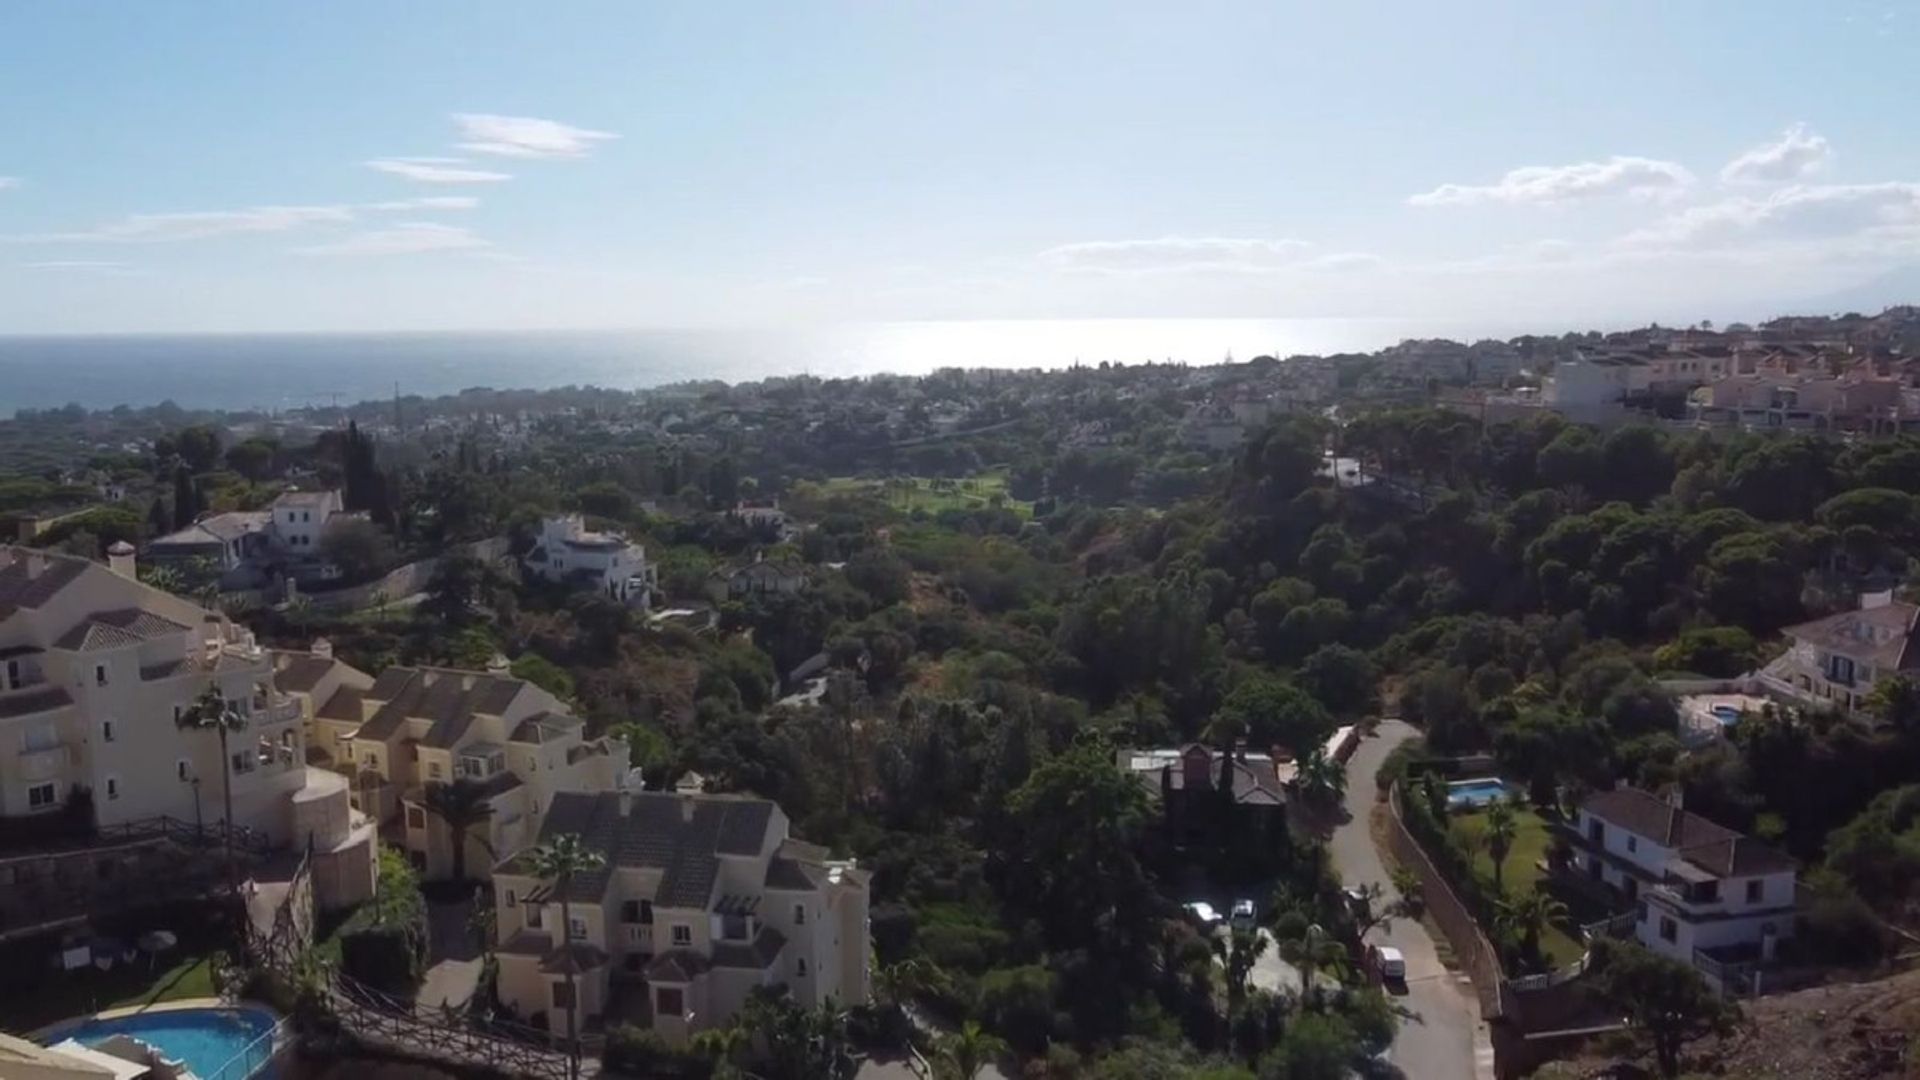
{"x":205,"y":1039}
{"x":1726,"y":714}
{"x":1477,"y":792}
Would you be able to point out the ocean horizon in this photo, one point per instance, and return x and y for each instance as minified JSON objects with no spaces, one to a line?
{"x":292,"y":370}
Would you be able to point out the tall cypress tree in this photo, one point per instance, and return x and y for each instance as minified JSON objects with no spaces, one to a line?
{"x":186,"y":497}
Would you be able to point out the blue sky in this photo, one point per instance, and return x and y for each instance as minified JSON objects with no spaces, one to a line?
{"x":340,"y":166}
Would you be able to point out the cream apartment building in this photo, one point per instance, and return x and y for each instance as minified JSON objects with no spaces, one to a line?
{"x":396,"y":735}
{"x":702,"y":899}
{"x":95,"y":670}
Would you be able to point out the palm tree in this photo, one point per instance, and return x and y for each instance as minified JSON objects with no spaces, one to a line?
{"x":1314,"y":951}
{"x":557,"y":861}
{"x":964,"y":1053}
{"x":1321,"y":778}
{"x":1501,"y":828}
{"x":895,"y":985}
{"x":462,"y":804}
{"x":212,"y":712}
{"x":1527,"y":916}
{"x":1238,"y":952}
{"x":722,"y":1047}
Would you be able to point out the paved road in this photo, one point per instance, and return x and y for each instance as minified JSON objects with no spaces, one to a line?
{"x":1437,"y":1038}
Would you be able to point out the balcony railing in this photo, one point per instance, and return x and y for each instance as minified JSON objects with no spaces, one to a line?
{"x":48,"y":763}
{"x":280,"y":712}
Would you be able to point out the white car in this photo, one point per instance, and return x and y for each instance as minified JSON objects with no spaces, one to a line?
{"x":1203,"y":913}
{"x":1243,"y":915}
{"x":1390,"y":963}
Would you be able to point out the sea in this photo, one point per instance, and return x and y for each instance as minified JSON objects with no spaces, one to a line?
{"x":276,"y":372}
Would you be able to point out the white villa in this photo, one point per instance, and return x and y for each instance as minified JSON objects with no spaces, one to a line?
{"x":287,"y":534}
{"x":607,"y":562}
{"x":1834,"y":662}
{"x":97,"y":670}
{"x":702,"y":899}
{"x":1701,"y":893}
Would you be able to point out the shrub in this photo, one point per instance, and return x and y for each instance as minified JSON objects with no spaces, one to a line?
{"x":383,"y":944}
{"x":637,"y":1052}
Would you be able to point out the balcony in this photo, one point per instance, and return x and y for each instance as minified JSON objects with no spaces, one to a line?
{"x":279,"y":712}
{"x":46,"y":763}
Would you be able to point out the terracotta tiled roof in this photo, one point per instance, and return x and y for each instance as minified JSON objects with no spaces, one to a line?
{"x":1714,"y":848}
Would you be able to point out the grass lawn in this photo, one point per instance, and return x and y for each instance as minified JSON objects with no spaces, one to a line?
{"x":63,"y":995}
{"x":1520,"y":871}
{"x":931,"y":494}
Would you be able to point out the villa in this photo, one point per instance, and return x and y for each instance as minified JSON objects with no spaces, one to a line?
{"x":606,"y":562}
{"x":1835,"y":662}
{"x":1698,"y":892}
{"x":703,"y":898}
{"x":249,"y":546}
{"x":98,"y":670}
{"x":396,"y":736}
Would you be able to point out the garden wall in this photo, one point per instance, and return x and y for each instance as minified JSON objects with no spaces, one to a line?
{"x":1470,"y":946}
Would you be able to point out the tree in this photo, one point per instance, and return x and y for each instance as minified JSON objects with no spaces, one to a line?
{"x":1267,"y":711}
{"x":801,"y":1044}
{"x":1313,"y":951}
{"x":558,"y":861}
{"x":212,"y":712}
{"x":1665,"y":1000}
{"x":1526,"y":917}
{"x":1342,"y":678}
{"x":1320,"y":778}
{"x":198,"y":447}
{"x":1238,"y":952}
{"x":964,"y":1053}
{"x":186,"y":497}
{"x":358,"y":547}
{"x":1502,"y":827}
{"x":1072,"y":859}
{"x":1896,"y":701}
{"x":723,"y":1047}
{"x":462,"y":805}
{"x":253,"y":459}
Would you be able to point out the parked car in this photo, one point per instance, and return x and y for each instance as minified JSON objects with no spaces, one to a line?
{"x":1203,"y":913}
{"x":1243,"y":917}
{"x":1388,"y":963}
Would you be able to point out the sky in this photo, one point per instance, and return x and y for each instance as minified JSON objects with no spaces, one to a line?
{"x":226,"y":167}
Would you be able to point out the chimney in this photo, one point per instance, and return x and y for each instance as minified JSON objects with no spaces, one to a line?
{"x":686,"y":809}
{"x":626,"y":801}
{"x":32,"y":564}
{"x":321,"y":648}
{"x":121,"y":560}
{"x":498,"y":665}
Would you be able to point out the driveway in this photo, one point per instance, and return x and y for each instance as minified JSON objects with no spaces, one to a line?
{"x":1441,"y":1036}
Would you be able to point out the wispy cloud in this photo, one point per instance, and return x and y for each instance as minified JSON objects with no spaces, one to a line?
{"x":198,"y":225}
{"x":1176,"y":254}
{"x":1797,"y":152}
{"x":1801,"y":212}
{"x":428,"y":202}
{"x":437,"y":171}
{"x":9,"y":182}
{"x":413,"y":238}
{"x":525,"y":136}
{"x":1542,"y":184}
{"x":75,"y":264}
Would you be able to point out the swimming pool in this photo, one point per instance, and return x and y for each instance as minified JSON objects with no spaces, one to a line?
{"x":206,"y":1040}
{"x":1478,"y":792}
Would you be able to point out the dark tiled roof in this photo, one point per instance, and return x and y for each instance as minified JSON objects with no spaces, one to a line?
{"x":542,"y":727}
{"x":1714,"y":848}
{"x":300,"y":672}
{"x":343,"y":705}
{"x":302,"y":498}
{"x":140,"y":621}
{"x":758,"y":953}
{"x":22,"y":588}
{"x":1883,"y":636}
{"x":88,"y":636}
{"x":13,"y":651}
{"x":1253,"y":782}
{"x":783,"y":873}
{"x":658,"y":832}
{"x":166,"y":669}
{"x":33,"y":701}
{"x":448,"y":700}
{"x":677,"y":966}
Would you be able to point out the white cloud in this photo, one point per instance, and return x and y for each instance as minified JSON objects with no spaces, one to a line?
{"x":1635,"y":176}
{"x":74,"y":264}
{"x":1176,"y":254}
{"x":1343,"y":261}
{"x":9,"y":182}
{"x":437,"y":171}
{"x":1796,"y":153}
{"x":1800,"y":212}
{"x":429,"y":202}
{"x":413,"y":238}
{"x":162,"y":228}
{"x":525,"y":136}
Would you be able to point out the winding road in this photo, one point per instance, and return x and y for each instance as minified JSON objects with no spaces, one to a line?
{"x":1441,"y":1036}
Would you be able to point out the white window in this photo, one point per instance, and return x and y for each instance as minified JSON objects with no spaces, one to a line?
{"x":106,"y":731}
{"x":577,"y":928}
{"x":682,"y":934}
{"x":113,"y":788}
{"x":799,"y":914}
{"x":42,"y":797}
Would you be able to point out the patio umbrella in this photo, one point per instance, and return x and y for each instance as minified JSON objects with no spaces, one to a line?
{"x":155,"y":942}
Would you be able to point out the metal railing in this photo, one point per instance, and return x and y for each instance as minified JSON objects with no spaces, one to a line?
{"x":254,"y":1057}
